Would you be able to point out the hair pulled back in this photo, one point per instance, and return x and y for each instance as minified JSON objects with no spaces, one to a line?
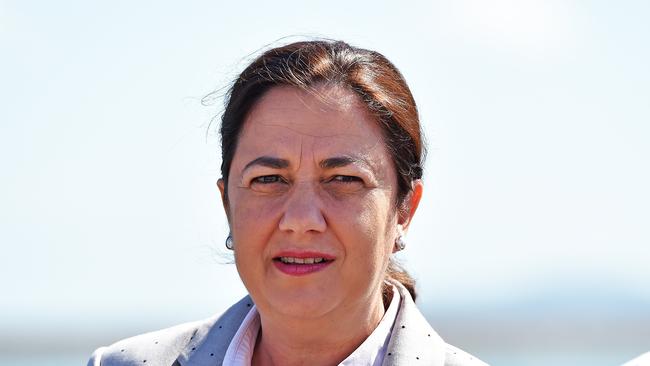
{"x":368,"y":74}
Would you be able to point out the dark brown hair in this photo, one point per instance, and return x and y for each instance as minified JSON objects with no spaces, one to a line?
{"x":368,"y":74}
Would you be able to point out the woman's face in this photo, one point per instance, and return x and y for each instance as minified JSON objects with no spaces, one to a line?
{"x":310,"y":203}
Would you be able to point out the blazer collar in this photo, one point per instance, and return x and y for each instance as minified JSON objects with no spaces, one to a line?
{"x":208,"y":345}
{"x":412,"y":339}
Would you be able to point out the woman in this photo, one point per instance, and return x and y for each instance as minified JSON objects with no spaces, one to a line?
{"x":321,"y":176}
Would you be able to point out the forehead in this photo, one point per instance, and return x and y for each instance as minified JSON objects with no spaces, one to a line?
{"x":329,"y":119}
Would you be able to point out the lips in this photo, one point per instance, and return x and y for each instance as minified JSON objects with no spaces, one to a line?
{"x":302,"y":263}
{"x":296,"y":260}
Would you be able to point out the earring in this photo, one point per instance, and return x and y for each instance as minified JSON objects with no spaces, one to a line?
{"x":400,"y":244}
{"x":229,"y":242}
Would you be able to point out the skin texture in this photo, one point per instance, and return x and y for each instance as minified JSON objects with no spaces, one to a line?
{"x":301,"y":204}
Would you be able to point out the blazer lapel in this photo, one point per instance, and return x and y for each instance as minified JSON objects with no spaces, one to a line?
{"x":413,"y":341}
{"x":208,"y":344}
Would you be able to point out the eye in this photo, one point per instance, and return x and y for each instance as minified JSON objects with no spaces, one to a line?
{"x":345,"y":184}
{"x":346,"y":179}
{"x":272,"y":184}
{"x":268,"y":179}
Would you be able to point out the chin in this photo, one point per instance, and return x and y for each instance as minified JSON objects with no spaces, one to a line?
{"x":305,"y":309}
{"x":301,"y":303}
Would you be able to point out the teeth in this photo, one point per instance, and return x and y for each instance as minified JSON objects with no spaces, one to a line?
{"x":301,"y":260}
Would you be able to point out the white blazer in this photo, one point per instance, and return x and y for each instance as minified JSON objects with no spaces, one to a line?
{"x":204,"y":343}
{"x":643,"y":360}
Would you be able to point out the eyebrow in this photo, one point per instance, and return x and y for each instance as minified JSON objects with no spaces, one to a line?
{"x":329,"y":163}
{"x":269,"y":162}
{"x":338,"y":161}
{"x":341,"y":161}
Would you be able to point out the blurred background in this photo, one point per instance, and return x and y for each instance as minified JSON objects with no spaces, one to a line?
{"x":531,"y":246}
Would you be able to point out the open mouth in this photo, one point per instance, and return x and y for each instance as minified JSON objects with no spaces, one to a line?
{"x":294,"y":260}
{"x":295,"y":266}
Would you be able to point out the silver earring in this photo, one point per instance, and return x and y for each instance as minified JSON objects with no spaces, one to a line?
{"x":400,"y":244}
{"x":229,"y":242}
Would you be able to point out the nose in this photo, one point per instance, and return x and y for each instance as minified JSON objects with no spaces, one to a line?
{"x":303,"y":211}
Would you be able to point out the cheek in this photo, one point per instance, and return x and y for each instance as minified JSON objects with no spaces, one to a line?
{"x":366,"y":224}
{"x":253,"y":222}
{"x":249,"y":212}
{"x":252,"y":225}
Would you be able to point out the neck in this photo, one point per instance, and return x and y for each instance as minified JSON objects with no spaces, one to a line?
{"x":327,"y":340}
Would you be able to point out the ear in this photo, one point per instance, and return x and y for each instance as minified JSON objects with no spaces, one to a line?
{"x":410,"y":206}
{"x":224,"y":200}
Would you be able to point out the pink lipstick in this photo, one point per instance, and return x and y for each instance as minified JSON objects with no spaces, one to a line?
{"x":301,"y":263}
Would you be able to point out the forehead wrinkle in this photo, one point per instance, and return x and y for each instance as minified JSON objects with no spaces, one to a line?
{"x":323,"y":99}
{"x":292,"y":129}
{"x":257,"y":121}
{"x":256,"y":124}
{"x":301,"y":154}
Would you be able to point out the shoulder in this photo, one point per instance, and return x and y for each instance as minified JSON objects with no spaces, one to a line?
{"x":643,"y":360}
{"x":413,"y":338}
{"x":159,"y":347}
{"x":166,"y":346}
{"x":456,"y":357}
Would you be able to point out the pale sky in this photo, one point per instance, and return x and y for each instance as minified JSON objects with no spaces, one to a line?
{"x":537,"y":115}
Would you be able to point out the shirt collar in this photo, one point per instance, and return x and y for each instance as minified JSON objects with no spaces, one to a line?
{"x":240,"y":350}
{"x":373,"y":349}
{"x":370,"y":352}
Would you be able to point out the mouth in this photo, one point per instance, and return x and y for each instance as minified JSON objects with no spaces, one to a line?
{"x":301,"y":264}
{"x":298,"y":261}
